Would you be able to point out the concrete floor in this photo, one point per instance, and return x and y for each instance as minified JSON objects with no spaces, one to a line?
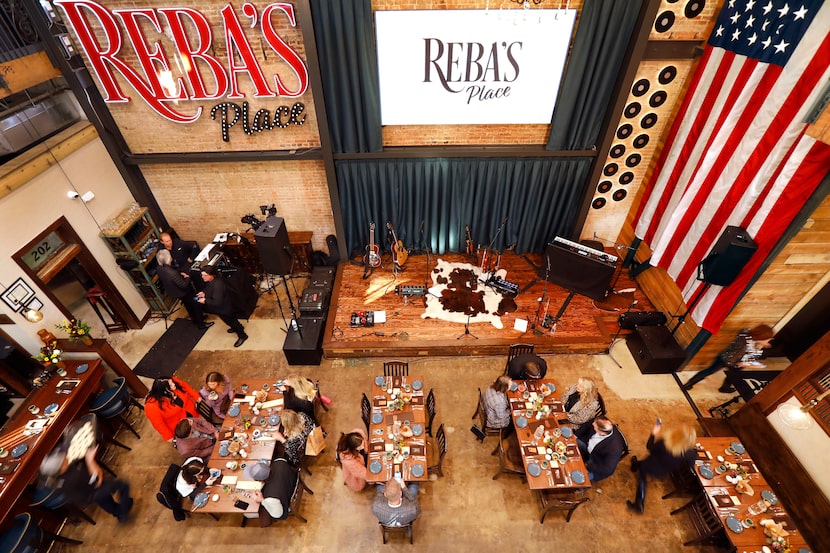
{"x":464,"y":511}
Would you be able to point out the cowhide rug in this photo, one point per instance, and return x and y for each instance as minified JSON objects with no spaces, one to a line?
{"x":457,"y":292}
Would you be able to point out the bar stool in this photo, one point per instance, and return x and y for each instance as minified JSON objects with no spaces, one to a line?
{"x":115,"y":403}
{"x":55,"y":500}
{"x":25,"y":536}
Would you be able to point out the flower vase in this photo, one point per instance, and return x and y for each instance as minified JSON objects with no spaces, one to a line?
{"x":86,"y":339}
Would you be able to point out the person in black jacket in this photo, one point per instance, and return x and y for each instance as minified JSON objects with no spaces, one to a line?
{"x":527,"y":366}
{"x":177,"y":285}
{"x":275,"y":498}
{"x":669,"y":450}
{"x":601,"y":447}
{"x":216,"y":299}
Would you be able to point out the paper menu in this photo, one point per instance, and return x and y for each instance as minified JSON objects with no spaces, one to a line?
{"x":248,"y":485}
{"x":272,"y":403}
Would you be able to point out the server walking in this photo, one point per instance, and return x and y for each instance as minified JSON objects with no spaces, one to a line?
{"x":216,"y":300}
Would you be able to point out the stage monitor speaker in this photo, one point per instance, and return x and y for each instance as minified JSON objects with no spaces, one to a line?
{"x":729,"y":255}
{"x":305,"y":348}
{"x":274,"y":246}
{"x":655,"y":350}
{"x":576,"y":272}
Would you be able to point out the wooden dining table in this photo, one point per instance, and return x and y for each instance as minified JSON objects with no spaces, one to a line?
{"x":397,"y":400}
{"x":715,"y":457}
{"x":552,"y":461}
{"x":242,"y":428}
{"x":38,"y":425}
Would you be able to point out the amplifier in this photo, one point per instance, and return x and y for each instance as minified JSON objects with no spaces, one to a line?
{"x":503,"y":286}
{"x":363,"y":318}
{"x":409,"y":290}
{"x":323,"y":277}
{"x":641,"y":318}
{"x":304,"y":345}
{"x":313,"y":300}
{"x":655,"y":350}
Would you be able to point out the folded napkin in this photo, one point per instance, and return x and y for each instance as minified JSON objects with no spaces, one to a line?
{"x":229,"y":480}
{"x":558,"y":476}
{"x":248,"y":485}
{"x":273,"y":403}
{"x":416,"y":450}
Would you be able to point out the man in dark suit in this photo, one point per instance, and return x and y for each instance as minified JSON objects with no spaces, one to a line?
{"x":183,"y":254}
{"x":527,"y":366}
{"x":601,"y":447}
{"x":177,"y":285}
{"x":216,"y":299}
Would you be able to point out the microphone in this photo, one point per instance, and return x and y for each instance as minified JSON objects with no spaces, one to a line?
{"x":421,"y":227}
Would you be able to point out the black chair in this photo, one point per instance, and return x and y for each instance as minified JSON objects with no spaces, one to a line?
{"x":396,"y":368}
{"x":430,"y":411}
{"x":366,"y":412}
{"x":510,"y":456}
{"x":169,"y":496}
{"x":626,"y":450}
{"x":296,"y":498}
{"x":436,"y":450}
{"x":515,"y":351}
{"x":601,"y":412}
{"x":707,"y":525}
{"x":406,"y":530}
{"x":116,"y":403}
{"x":568,"y":502}
{"x":25,"y":536}
{"x":55,"y":500}
{"x":684,"y":481}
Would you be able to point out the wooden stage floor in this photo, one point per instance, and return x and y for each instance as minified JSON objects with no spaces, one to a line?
{"x":582,"y":328}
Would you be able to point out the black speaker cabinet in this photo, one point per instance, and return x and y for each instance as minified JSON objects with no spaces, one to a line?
{"x":577,"y":272}
{"x":728,"y":256}
{"x":305,"y":345}
{"x":274,"y":246}
{"x":655,"y":350}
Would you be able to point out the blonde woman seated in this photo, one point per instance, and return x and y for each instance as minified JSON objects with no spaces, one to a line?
{"x":495,"y":403}
{"x":294,"y":430}
{"x":299,"y":396}
{"x":351,"y":453}
{"x":581,"y":401}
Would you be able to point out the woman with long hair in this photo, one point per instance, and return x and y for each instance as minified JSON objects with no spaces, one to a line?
{"x":299,"y":395}
{"x":581,"y":401}
{"x":295,"y":428}
{"x":668,"y":450}
{"x":169,"y":401}
{"x":496,"y":404}
{"x":351,"y":453}
{"x":218,"y":394}
{"x":193,"y":477}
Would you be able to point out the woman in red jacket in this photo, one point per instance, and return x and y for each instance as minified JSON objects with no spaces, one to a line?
{"x":169,"y":401}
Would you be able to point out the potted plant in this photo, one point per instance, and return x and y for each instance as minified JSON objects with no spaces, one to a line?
{"x":77,"y":330}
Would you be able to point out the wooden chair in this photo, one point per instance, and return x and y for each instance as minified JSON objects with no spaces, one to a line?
{"x":515,"y":351}
{"x":366,"y":411}
{"x":601,"y":412}
{"x":481,"y":415}
{"x":169,"y":496}
{"x":405,"y":530}
{"x":296,"y":498}
{"x":436,"y":449}
{"x":510,"y":457}
{"x":707,"y":525}
{"x":396,"y":368}
{"x":626,"y":450}
{"x":568,"y":502}
{"x":430,"y":411}
{"x":684,"y":481}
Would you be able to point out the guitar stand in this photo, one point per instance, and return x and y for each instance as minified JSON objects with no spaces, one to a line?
{"x":467,"y":329}
{"x":617,"y":335}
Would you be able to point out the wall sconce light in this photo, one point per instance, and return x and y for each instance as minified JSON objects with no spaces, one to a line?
{"x":800,"y":417}
{"x":32,"y":311}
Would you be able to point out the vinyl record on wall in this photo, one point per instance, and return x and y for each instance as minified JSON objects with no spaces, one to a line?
{"x":598,"y":203}
{"x":640,"y":87}
{"x":664,"y":22}
{"x":619,"y":195}
{"x":610,"y":170}
{"x":640,"y":141}
{"x":624,"y":131}
{"x":648,"y":120}
{"x":633,"y":160}
{"x":667,"y":75}
{"x":617,"y":151}
{"x":626,"y":178}
{"x":694,"y":8}
{"x":658,"y":99}
{"x":604,"y":187}
{"x":632,"y":109}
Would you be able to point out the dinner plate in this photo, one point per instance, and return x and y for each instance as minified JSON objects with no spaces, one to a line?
{"x":380,"y":380}
{"x":224,"y":451}
{"x":375,"y":467}
{"x":521,"y":422}
{"x":50,"y":409}
{"x":738,"y":448}
{"x":234,"y":410}
{"x":513,"y":386}
{"x":534,"y":470}
{"x":734,"y":524}
{"x":578,"y":477}
{"x":417,"y":385}
{"x":200,"y":500}
{"x":706,"y":472}
{"x":567,"y":432}
{"x":274,"y":420}
{"x":417,"y":471}
{"x":550,"y":386}
{"x":769,"y":496}
{"x":417,"y":429}
{"x":803,"y":550}
{"x":81,"y":368}
{"x":19,"y":450}
{"x":377,"y":418}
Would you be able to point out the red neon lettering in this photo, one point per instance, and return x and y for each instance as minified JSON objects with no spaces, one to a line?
{"x":282,"y":49}
{"x":235,"y":39}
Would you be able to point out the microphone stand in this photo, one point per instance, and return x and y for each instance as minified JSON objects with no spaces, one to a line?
{"x":617,"y":335}
{"x":469,"y":313}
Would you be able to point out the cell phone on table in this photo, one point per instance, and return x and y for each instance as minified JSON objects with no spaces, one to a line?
{"x":239,"y":504}
{"x":239,"y":396}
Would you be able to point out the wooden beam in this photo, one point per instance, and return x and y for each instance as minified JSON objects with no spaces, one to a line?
{"x":28,"y":71}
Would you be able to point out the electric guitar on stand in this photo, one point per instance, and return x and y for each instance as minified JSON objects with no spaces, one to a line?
{"x":372,"y":257}
{"x":399,"y":253}
{"x":471,"y":248}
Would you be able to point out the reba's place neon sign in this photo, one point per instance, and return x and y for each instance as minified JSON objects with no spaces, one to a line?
{"x":223,"y":76}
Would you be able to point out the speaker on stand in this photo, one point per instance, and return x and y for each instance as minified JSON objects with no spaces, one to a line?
{"x":273,"y":246}
{"x":729,"y":255}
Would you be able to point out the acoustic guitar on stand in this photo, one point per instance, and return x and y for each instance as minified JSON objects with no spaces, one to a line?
{"x":372,"y":257}
{"x":399,"y":253}
{"x":471,"y":247}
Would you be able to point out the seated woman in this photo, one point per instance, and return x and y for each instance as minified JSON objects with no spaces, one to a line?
{"x":351,"y":453}
{"x":169,"y":401}
{"x":495,"y":403}
{"x":299,"y":396}
{"x":295,"y":430}
{"x":193,"y":478}
{"x":275,"y":498}
{"x":218,"y":394}
{"x":581,"y":401}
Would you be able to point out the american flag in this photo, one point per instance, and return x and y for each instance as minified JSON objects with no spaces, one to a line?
{"x":737,"y":153}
